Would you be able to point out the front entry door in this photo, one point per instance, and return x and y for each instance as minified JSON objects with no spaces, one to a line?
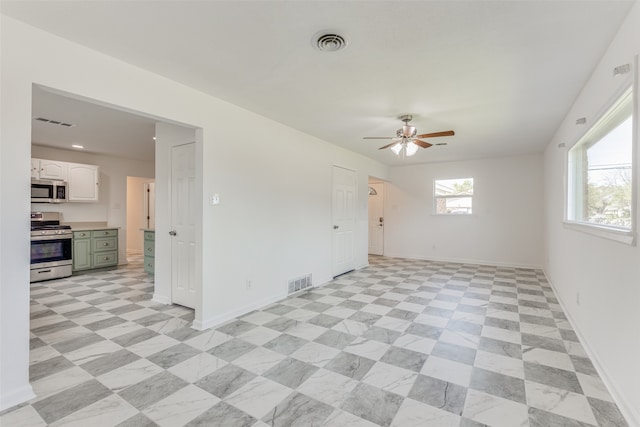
{"x":344,"y":220}
{"x":183,"y":219}
{"x":376,"y":219}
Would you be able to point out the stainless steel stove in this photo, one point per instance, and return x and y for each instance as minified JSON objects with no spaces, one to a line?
{"x":51,"y":247}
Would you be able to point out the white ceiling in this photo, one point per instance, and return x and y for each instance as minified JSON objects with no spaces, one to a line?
{"x":98,"y":129}
{"x":502,"y":74}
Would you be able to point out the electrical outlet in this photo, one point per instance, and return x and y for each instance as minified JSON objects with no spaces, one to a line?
{"x":248,"y":284}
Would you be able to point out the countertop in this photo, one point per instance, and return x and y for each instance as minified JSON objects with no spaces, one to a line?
{"x":88,"y":226}
{"x":148,"y":229}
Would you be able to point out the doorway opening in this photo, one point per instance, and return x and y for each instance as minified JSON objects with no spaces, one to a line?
{"x":141,"y":208}
{"x":376,"y":216}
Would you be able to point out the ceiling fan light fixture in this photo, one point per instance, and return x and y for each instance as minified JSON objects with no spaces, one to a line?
{"x":396,"y":148}
{"x":407,"y":131}
{"x":410,"y":148}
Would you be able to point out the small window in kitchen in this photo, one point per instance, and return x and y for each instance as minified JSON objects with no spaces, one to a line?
{"x":600,"y":171}
{"x":453,"y":196}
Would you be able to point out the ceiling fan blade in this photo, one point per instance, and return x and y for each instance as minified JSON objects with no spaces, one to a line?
{"x":389,"y":145}
{"x":378,"y":137}
{"x":422,"y":143}
{"x":435,"y":134}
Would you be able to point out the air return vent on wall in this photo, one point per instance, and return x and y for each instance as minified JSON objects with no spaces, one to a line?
{"x":299,"y":283}
{"x":54,"y":122}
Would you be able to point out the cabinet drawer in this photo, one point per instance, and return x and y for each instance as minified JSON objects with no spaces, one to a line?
{"x":81,"y":234}
{"x":105,"y":244}
{"x":149,"y":249}
{"x":149,"y":235}
{"x":104,"y":233}
{"x":105,"y":259}
{"x":149,"y":264}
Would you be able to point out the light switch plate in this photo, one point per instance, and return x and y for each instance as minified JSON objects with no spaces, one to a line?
{"x":215,"y":199}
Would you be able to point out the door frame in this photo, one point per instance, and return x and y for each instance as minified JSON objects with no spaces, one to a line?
{"x":375,"y":181}
{"x":167,"y":136}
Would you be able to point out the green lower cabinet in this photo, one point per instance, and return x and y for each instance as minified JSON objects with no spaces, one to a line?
{"x":149,"y":251}
{"x":81,"y":254}
{"x":95,"y":249}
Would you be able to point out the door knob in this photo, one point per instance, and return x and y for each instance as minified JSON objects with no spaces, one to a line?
{"x":335,"y":227}
{"x":172,"y":233}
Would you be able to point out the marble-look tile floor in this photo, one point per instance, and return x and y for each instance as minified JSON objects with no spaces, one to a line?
{"x":400,"y":343}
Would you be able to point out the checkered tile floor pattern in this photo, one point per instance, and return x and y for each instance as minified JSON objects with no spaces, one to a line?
{"x":400,"y":343}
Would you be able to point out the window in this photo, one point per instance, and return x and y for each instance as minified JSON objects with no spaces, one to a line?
{"x":600,"y":171}
{"x":453,"y":196}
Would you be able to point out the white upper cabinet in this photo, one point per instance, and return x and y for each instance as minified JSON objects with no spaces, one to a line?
{"x":83,"y":183}
{"x":50,"y":169}
{"x":35,"y":168}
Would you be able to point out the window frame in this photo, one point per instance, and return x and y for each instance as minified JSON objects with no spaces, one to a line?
{"x":452,"y":196}
{"x":618,"y":234}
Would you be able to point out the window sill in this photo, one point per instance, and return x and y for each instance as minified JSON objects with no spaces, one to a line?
{"x":621,"y":236}
{"x":452,"y":214}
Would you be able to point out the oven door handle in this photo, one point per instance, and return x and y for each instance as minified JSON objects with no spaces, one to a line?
{"x":51,"y":237}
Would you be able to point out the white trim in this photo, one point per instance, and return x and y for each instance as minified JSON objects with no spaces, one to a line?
{"x":467,"y":261}
{"x":16,"y":397}
{"x":627,"y":237}
{"x":161,"y":299}
{"x":233,"y":314}
{"x":629,"y":411}
{"x":623,"y":236}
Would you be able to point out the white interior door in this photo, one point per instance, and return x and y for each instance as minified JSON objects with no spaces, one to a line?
{"x":344,"y":220}
{"x":376,"y":220}
{"x":183,"y":219}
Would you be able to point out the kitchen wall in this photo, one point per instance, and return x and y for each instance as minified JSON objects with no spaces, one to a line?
{"x":504,"y":229}
{"x":274,"y":219}
{"x":604,"y":273}
{"x":112,"y":206}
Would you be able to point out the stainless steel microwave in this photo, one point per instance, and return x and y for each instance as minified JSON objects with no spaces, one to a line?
{"x":48,"y":191}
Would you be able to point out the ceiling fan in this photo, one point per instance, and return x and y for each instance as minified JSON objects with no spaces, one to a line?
{"x":407,"y":141}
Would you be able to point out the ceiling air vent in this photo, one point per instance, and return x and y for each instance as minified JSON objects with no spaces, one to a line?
{"x":54,"y":122}
{"x":330,"y":42}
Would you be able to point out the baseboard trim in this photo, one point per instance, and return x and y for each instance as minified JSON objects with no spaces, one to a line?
{"x":16,"y":397}
{"x":629,"y":412}
{"x":161,"y":299}
{"x":230,"y":315}
{"x":465,"y":261}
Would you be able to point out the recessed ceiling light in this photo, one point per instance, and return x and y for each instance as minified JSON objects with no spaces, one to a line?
{"x":77,"y":146}
{"x":154,"y":138}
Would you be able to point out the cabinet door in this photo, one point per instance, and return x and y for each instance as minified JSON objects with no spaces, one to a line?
{"x":83,"y":183}
{"x":35,"y":168}
{"x":81,"y":254}
{"x":51,"y":169}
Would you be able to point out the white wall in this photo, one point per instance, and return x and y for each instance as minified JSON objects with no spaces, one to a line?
{"x":504,"y":229}
{"x":112,"y":206}
{"x":274,"y":220}
{"x":136,"y":212}
{"x":604,"y":272}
